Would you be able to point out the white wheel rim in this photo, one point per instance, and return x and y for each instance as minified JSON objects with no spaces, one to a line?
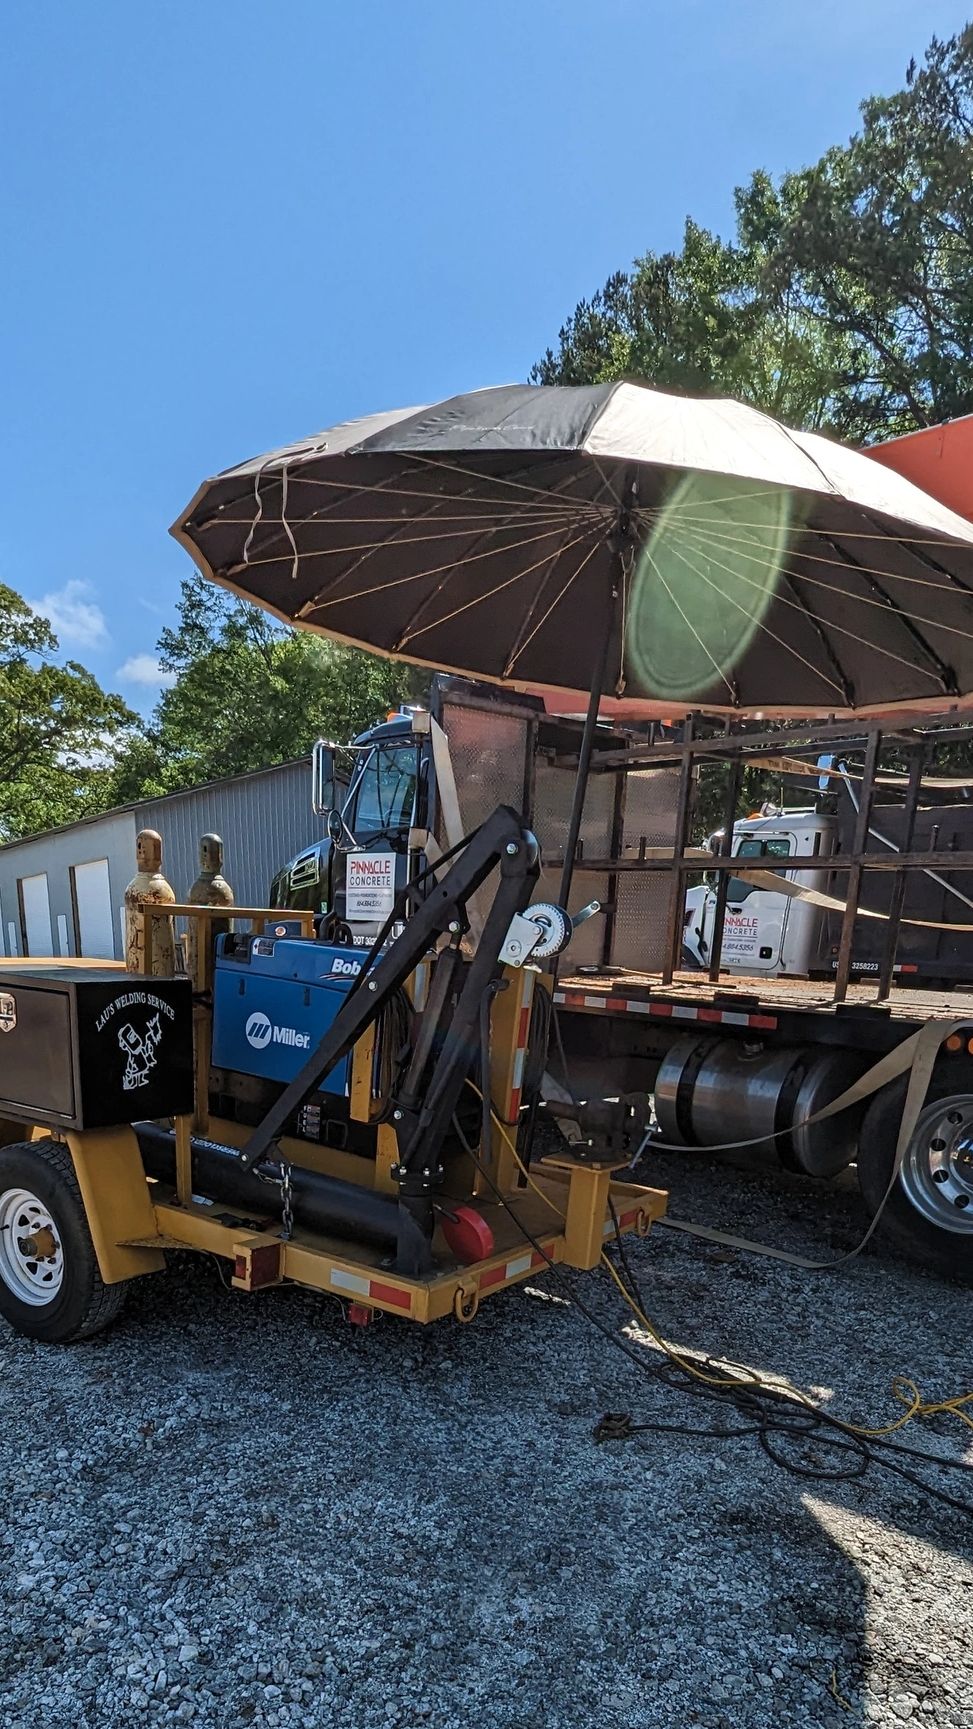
{"x":31,"y":1256}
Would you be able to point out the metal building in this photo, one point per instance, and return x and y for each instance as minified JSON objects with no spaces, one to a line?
{"x":61,"y":893}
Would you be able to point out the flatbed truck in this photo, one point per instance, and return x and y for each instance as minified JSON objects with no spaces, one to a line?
{"x":716,"y":1056}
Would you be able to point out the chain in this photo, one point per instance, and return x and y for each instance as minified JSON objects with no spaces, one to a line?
{"x":287,"y":1200}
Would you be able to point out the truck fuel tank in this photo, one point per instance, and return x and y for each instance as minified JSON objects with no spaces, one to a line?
{"x":710,"y":1092}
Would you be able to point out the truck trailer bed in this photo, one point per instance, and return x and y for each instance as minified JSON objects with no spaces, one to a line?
{"x":758,"y":1004}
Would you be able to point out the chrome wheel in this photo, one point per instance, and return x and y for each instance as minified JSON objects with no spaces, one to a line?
{"x":937,"y":1172}
{"x":31,"y":1256}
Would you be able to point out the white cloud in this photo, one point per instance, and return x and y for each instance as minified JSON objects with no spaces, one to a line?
{"x":75,"y":617}
{"x":145,"y":669}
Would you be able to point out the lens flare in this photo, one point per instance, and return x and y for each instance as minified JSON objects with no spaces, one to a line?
{"x":702,"y":584}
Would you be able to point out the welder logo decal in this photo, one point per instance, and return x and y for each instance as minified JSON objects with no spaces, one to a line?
{"x":139,"y":1051}
{"x":258,"y":1030}
{"x":8,"y":1012}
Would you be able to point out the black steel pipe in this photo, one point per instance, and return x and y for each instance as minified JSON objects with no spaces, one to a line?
{"x":325,"y":1204}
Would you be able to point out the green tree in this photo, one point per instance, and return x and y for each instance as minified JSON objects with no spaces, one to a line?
{"x":59,"y":731}
{"x":707,"y":320}
{"x":249,"y":692}
{"x":876,"y":243}
{"x":844,"y":301}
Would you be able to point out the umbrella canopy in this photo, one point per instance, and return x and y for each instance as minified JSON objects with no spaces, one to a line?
{"x":672,"y":552}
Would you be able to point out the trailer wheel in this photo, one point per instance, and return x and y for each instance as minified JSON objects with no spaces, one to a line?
{"x":929,"y":1214}
{"x":50,"y":1286}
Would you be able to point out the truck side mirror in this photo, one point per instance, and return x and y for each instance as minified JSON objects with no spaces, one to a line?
{"x":323,"y":779}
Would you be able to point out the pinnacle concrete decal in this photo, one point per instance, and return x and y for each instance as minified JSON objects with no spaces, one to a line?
{"x":369,"y":885}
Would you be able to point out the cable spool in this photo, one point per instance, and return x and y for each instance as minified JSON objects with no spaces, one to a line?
{"x":555,"y":927}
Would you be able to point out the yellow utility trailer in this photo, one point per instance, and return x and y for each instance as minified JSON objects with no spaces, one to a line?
{"x":405,"y":1185}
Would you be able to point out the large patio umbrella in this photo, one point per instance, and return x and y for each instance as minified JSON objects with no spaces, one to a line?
{"x":682,"y":553}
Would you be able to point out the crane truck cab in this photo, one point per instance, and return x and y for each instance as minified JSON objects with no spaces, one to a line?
{"x":764,"y":933}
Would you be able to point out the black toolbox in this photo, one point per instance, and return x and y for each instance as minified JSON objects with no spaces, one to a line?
{"x":90,"y":1047}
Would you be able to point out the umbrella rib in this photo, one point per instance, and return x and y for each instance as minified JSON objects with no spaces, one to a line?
{"x":846,"y":534}
{"x":217,"y":520}
{"x":518,"y":643}
{"x":389,"y":491}
{"x":731,"y":684}
{"x":839,"y":629}
{"x":705,"y":524}
{"x":946,"y":675}
{"x":589,"y":555}
{"x":418,"y":575}
{"x":428,"y":599}
{"x":535,"y":603}
{"x":728,"y":498}
{"x":409,"y":636}
{"x":816,"y":671}
{"x":316,"y":516}
{"x":885,"y":604}
{"x":940,"y":569}
{"x":370,"y":546}
{"x":538,"y":493}
{"x":848,"y":689}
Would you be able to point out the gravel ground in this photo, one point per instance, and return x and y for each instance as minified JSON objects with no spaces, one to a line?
{"x":238,"y":1511}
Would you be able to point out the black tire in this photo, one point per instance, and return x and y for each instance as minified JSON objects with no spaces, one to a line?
{"x":902,"y":1226}
{"x":83,"y":1304}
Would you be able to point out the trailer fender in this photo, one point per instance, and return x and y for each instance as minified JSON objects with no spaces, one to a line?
{"x":117,"y":1202}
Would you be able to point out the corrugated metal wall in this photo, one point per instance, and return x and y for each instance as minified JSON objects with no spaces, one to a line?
{"x":264,"y":819}
{"x":112,"y":837}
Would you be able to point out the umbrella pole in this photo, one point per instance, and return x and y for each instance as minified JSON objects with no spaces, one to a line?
{"x":584,"y":755}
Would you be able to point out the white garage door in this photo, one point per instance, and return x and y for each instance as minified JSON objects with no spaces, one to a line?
{"x":92,"y":900}
{"x":37,"y":915}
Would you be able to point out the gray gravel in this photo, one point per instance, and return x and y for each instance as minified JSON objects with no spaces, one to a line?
{"x":238,"y":1511}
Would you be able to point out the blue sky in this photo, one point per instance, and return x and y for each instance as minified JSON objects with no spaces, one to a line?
{"x":226,"y":224}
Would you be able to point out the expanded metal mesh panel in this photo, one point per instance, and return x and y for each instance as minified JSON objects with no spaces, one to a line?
{"x":488,"y":752}
{"x":651,"y":803}
{"x":642,"y":908}
{"x":552,"y":810}
{"x":642,"y":897}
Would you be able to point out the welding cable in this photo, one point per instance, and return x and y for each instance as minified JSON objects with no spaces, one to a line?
{"x":861,"y":1440}
{"x":764,"y":1403}
{"x":394,"y":1044}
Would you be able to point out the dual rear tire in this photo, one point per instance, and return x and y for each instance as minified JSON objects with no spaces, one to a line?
{"x":928,"y":1216}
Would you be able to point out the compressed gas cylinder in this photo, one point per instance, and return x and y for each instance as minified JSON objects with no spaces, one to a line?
{"x":210,"y":889}
{"x":149,"y":887}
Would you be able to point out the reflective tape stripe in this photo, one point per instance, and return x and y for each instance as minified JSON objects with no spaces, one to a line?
{"x":664,"y":1011}
{"x":625,"y":1222}
{"x":375,"y":1289}
{"x":514,"y":1268}
{"x":390,"y":1294}
{"x":342,"y":1281}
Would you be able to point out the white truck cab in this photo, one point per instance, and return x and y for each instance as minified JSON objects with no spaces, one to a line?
{"x":764,"y":933}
